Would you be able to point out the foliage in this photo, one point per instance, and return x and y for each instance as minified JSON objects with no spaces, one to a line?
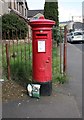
{"x":51,"y":12}
{"x":56,"y":34}
{"x":20,"y":65}
{"x":21,"y":73}
{"x":0,"y":23}
{"x":57,"y":75}
{"x":0,"y":27}
{"x":11,"y":24}
{"x":0,"y":57}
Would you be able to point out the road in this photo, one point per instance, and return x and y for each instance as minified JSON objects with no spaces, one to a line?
{"x":80,"y":46}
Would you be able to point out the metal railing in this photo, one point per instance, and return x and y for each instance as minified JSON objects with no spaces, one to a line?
{"x":16,"y":56}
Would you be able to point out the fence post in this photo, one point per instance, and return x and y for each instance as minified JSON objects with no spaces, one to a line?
{"x":60,"y":52}
{"x":8,"y":61}
{"x":65,"y":50}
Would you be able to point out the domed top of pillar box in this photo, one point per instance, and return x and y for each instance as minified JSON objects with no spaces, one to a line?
{"x":41,"y":22}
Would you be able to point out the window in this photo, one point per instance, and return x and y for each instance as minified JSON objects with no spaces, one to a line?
{"x":14,"y":4}
{"x":78,"y":33}
{"x":25,"y":11}
{"x":22,"y":11}
{"x":17,"y":6}
{"x":9,"y":4}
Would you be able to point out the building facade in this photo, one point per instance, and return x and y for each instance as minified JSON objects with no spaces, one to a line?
{"x":77,"y":19}
{"x":19,"y":7}
{"x":35,"y":13}
{"x":3,"y":7}
{"x":83,"y":11}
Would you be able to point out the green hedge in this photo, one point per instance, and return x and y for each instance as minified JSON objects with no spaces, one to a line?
{"x":12,"y":26}
{"x":56,"y":34}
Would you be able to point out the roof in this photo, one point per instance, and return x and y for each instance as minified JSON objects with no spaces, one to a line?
{"x":78,"y":25}
{"x":37,"y":16}
{"x":32,"y":13}
{"x":65,"y":22}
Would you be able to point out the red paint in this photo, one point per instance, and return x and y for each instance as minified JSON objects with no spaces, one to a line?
{"x":42,"y":61}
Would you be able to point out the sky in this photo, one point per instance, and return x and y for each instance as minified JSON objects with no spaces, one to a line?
{"x":67,"y":8}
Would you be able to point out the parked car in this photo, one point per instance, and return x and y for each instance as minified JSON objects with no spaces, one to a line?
{"x":76,"y":36}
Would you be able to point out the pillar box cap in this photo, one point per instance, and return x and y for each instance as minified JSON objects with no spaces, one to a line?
{"x":41,"y":22}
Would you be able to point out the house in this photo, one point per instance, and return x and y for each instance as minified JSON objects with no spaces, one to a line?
{"x":3,"y":7}
{"x":77,"y":26}
{"x":37,"y":16}
{"x":77,"y":18}
{"x":35,"y":13}
{"x":71,"y":25}
{"x":83,"y":11}
{"x":66,"y":23}
{"x":19,"y":7}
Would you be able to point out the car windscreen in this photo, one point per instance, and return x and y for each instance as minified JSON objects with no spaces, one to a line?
{"x":78,"y":33}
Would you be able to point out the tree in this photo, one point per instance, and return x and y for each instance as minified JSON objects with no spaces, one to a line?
{"x":11,"y":23}
{"x":51,"y":12}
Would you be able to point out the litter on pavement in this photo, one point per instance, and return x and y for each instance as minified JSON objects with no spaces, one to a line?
{"x":34,"y":90}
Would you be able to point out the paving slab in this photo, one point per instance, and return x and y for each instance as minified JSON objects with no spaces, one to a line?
{"x":0,"y":101}
{"x":54,"y":106}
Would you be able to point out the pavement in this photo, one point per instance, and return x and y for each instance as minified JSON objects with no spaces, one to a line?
{"x":75,"y":73}
{"x":0,"y":100}
{"x":59,"y":106}
{"x":65,"y":101}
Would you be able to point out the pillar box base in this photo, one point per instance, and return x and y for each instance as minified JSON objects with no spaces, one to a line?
{"x":45,"y":89}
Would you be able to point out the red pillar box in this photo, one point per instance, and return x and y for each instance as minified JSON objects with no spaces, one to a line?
{"x":42,"y":53}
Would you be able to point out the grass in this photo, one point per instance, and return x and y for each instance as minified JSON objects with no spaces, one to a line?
{"x":0,"y":56}
{"x":20,"y":62}
{"x":0,"y":61}
{"x":57,"y":76}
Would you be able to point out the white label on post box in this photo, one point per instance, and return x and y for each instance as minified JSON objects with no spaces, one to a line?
{"x":41,"y":46}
